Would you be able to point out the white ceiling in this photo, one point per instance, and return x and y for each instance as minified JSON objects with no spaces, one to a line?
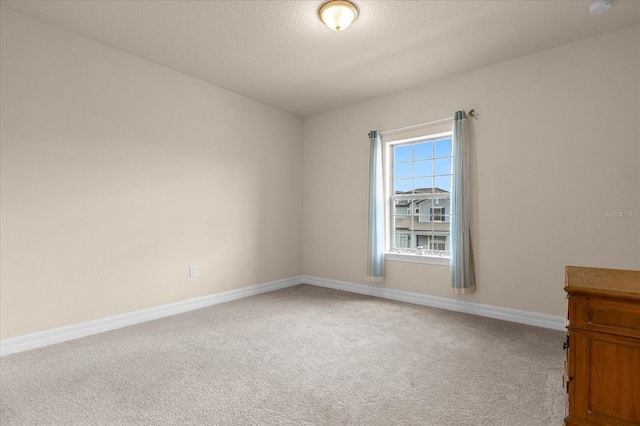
{"x":279,"y":52}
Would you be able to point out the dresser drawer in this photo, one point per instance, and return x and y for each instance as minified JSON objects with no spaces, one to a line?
{"x":614,"y":314}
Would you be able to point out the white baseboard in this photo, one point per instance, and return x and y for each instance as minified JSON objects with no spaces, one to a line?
{"x":451,"y":304}
{"x":76,"y":331}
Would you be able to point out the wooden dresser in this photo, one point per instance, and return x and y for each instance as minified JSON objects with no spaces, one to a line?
{"x":603,"y":346}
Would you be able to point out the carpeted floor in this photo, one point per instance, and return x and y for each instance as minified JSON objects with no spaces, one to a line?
{"x":299,"y":356}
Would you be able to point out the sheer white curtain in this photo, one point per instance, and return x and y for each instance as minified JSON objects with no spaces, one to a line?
{"x":375,"y":256}
{"x":463,"y":279}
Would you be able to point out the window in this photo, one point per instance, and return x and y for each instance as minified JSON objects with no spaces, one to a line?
{"x":437,"y":214}
{"x":436,"y":242}
{"x":419,"y":173}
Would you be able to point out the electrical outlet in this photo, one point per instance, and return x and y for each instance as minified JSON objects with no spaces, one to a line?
{"x":193,"y":271}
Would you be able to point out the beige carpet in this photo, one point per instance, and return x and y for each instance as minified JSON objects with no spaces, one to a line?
{"x":299,"y":356}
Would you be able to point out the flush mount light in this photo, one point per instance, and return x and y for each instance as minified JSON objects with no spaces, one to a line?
{"x":338,"y":14}
{"x":599,"y":6}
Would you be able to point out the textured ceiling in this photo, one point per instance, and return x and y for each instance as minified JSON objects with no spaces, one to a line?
{"x":278,"y":52}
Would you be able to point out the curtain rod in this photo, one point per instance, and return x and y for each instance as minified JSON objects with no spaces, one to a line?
{"x":472,"y":113}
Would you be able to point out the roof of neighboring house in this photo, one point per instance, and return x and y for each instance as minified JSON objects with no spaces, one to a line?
{"x":401,"y":203}
{"x":423,"y":191}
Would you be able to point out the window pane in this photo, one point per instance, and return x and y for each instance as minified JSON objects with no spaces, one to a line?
{"x":403,"y":170}
{"x":442,"y":166}
{"x":423,"y":219}
{"x":423,"y":185}
{"x":423,"y":206}
{"x":402,"y":153}
{"x":423,"y":150}
{"x":402,"y":240}
{"x":402,"y":222}
{"x":423,"y":168}
{"x":423,"y":240}
{"x":403,"y":186}
{"x":425,"y":210}
{"x":443,"y":182}
{"x":401,"y":207}
{"x":427,"y":227}
{"x":443,"y":148}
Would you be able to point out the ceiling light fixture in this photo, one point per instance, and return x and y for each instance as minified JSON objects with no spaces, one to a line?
{"x":338,"y":14}
{"x":600,"y":6}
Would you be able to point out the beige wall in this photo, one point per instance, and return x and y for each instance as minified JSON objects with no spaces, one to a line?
{"x":556,"y":141}
{"x":117,"y":174}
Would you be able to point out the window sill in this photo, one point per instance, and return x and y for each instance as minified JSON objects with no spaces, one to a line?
{"x":414,"y":258}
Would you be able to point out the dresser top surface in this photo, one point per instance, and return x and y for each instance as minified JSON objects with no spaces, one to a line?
{"x":602,"y":282}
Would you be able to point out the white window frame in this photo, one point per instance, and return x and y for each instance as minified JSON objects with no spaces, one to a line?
{"x":408,"y":256}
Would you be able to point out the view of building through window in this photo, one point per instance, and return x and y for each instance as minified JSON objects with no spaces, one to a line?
{"x":421,"y":175}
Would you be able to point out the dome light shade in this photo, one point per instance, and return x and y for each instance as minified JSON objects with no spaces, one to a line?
{"x":338,"y":14}
{"x":599,"y":6}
